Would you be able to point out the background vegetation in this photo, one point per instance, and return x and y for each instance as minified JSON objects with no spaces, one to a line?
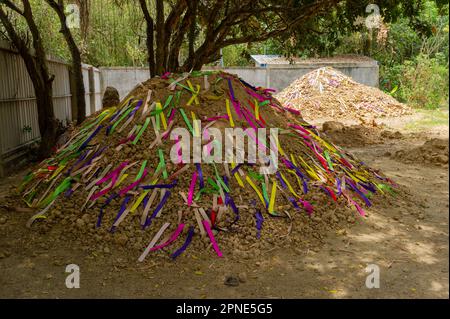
{"x":411,"y":45}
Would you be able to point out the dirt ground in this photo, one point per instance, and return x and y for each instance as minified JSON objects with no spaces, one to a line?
{"x":408,"y":241}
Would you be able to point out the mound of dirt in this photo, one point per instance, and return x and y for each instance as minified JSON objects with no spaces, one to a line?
{"x":114,"y":180}
{"x":357,"y":135}
{"x":328,"y":93}
{"x":433,"y":151}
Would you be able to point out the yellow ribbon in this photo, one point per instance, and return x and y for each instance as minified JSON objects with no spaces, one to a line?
{"x":272,"y":196}
{"x":196,"y":128}
{"x":256,"y":109}
{"x":139,"y":200}
{"x":229,"y":113}
{"x":256,"y":189}
{"x":236,"y":175}
{"x":288,"y":185}
{"x":194,"y":97}
{"x":121,"y":179}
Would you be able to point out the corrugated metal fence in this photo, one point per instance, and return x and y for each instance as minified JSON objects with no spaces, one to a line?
{"x":18,"y":111}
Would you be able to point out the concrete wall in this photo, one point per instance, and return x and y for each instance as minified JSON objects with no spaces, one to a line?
{"x":251,"y":75}
{"x":124,"y":79}
{"x":277,"y":77}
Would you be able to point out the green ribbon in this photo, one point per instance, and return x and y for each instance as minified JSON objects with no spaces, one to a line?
{"x":327,"y":157}
{"x":144,"y":127}
{"x":204,"y":190}
{"x":186,"y":120}
{"x":65,"y":184}
{"x":128,"y":111}
{"x":141,"y":171}
{"x":162,"y":163}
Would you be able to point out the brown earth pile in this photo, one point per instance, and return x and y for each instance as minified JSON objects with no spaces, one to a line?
{"x":357,"y":135}
{"x":328,"y":93}
{"x":123,"y":154}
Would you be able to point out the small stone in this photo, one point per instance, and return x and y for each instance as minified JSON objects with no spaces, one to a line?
{"x":243,"y":277}
{"x":80,"y":223}
{"x":3,"y":220}
{"x":106,"y":250}
{"x":110,"y":97}
{"x":442,"y":159}
{"x":58,"y":262}
{"x":49,"y":276}
{"x":121,"y":239}
{"x":332,"y":126}
{"x":231,"y":281}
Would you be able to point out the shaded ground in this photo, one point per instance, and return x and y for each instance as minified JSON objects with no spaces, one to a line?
{"x":408,"y":241}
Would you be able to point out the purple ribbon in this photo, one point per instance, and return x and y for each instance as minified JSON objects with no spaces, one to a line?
{"x":355,"y":188}
{"x":338,"y":185}
{"x":82,"y":157}
{"x":107,"y":202}
{"x":281,"y":179}
{"x":247,"y":84}
{"x":368,"y":187}
{"x":94,"y":156}
{"x":294,"y":203}
{"x":174,"y":183}
{"x":86,"y":142}
{"x":157,"y":209}
{"x":259,"y":222}
{"x":234,"y":170}
{"x":200,"y":175}
{"x":122,"y":209}
{"x":188,"y":240}
{"x":138,"y":105}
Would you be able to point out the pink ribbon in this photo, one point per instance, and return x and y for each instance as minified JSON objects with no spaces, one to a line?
{"x":172,"y":238}
{"x":210,"y":119}
{"x":114,"y":175}
{"x":211,"y":237}
{"x":123,"y":191}
{"x":191,"y":188}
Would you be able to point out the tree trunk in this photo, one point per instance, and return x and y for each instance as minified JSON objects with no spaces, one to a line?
{"x":150,"y":49}
{"x":84,"y":23}
{"x":46,"y":120}
{"x":159,"y":37}
{"x":76,"y":59}
{"x":79,"y":87}
{"x":191,"y":37}
{"x":150,"y":39}
{"x":38,"y":71}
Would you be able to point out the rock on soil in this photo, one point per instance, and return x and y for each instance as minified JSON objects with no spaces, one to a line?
{"x":433,"y":152}
{"x":111,"y":97}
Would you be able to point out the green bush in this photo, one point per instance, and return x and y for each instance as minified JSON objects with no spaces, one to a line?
{"x":423,"y":82}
